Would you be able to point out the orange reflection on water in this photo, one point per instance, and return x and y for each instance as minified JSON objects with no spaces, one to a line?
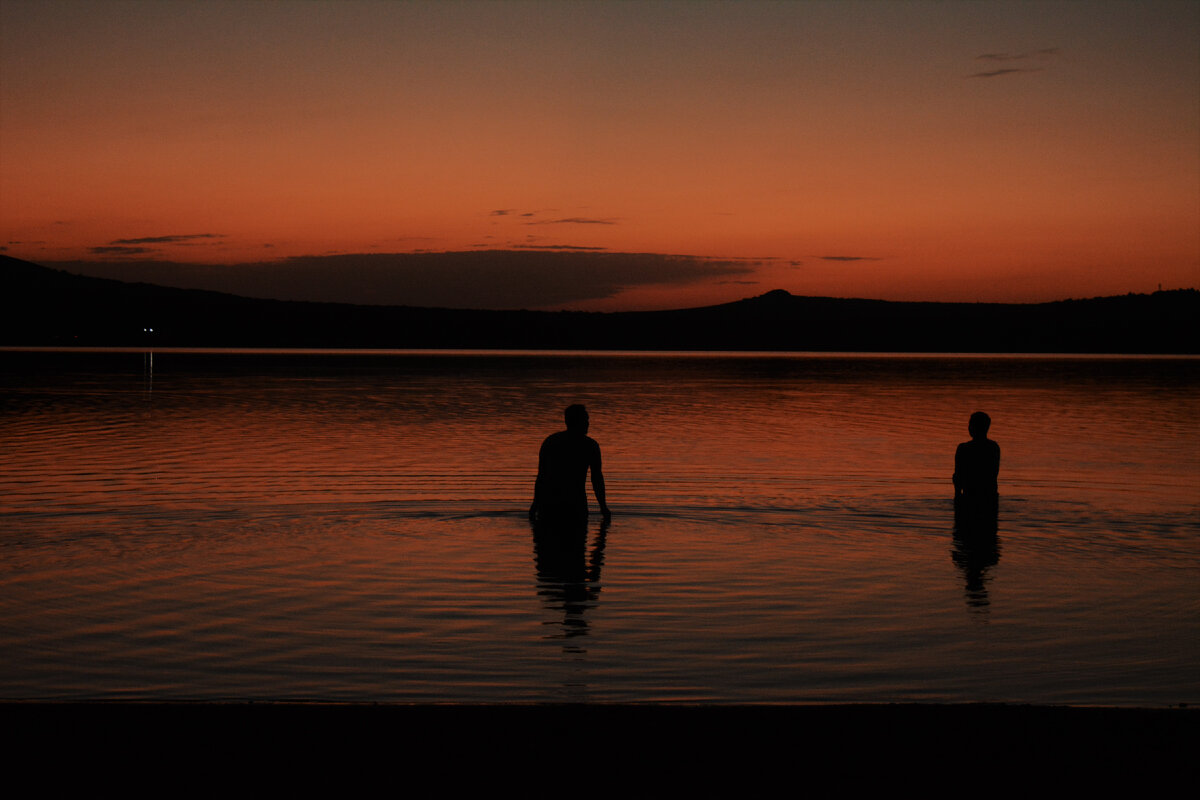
{"x":344,"y":527}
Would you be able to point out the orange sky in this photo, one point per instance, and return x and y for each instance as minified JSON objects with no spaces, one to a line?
{"x":974,"y":151}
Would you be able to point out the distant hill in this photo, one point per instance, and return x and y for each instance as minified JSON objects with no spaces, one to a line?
{"x":40,"y":306}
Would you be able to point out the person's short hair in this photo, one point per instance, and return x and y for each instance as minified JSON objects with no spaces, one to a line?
{"x":979,"y":422}
{"x":575,"y":415}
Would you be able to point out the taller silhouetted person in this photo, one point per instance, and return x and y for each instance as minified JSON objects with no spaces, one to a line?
{"x":976,"y":465}
{"x":560,"y":493}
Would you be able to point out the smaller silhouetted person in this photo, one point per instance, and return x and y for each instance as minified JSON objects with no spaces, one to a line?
{"x":976,"y":464}
{"x":560,"y":493}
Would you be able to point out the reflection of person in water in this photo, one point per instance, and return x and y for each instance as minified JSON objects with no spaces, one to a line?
{"x":560,"y":492}
{"x":568,"y":575}
{"x":976,"y":464}
{"x":976,"y":549}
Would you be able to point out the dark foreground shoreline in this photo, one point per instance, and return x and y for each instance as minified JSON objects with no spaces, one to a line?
{"x":640,"y":747}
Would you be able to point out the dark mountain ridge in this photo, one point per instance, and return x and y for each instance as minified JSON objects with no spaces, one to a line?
{"x":42,"y":307}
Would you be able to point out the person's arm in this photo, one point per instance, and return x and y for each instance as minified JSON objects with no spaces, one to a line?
{"x":537,"y":483}
{"x":598,"y":483}
{"x":958,"y":465}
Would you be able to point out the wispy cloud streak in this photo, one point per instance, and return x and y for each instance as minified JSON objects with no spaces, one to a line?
{"x":998,"y":72}
{"x":120,"y":250}
{"x":172,"y":239}
{"x":1045,"y":54}
{"x":1048,"y":52}
{"x":556,"y":247}
{"x":574,"y":221}
{"x":525,"y":277}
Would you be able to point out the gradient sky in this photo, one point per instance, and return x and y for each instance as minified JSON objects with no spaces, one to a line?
{"x":897,"y":150}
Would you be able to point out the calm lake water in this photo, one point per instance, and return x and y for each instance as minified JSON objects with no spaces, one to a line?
{"x":351,"y":527}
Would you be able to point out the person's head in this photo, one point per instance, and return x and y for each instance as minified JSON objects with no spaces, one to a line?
{"x":978,"y":425}
{"x":577,"y":418}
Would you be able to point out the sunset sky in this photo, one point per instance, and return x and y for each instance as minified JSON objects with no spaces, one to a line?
{"x":606,"y":155}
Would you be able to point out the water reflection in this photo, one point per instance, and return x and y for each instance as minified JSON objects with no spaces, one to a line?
{"x":213,"y":548}
{"x":976,"y":549}
{"x":148,"y":374}
{"x":568,"y":574}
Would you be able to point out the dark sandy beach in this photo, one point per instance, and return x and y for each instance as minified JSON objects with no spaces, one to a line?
{"x":638,"y":750}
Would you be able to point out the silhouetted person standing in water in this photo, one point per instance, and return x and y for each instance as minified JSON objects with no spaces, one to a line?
{"x":560,"y":494}
{"x":976,"y":464}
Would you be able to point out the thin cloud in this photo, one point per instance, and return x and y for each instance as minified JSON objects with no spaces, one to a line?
{"x":556,"y":247}
{"x":997,"y":72}
{"x":173,"y":239}
{"x":502,"y":212}
{"x":513,"y":278}
{"x":574,"y":221}
{"x":1044,"y":53}
{"x":850,"y":258}
{"x":109,"y":250}
{"x":412,"y":239}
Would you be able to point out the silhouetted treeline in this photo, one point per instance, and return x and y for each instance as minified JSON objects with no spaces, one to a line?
{"x":40,"y":306}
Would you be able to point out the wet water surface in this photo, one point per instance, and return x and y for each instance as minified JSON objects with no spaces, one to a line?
{"x":352,"y":527}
